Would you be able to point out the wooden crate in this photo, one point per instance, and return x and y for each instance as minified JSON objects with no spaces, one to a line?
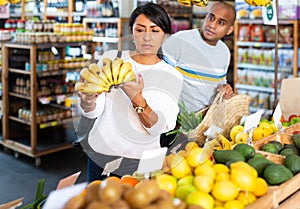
{"x":284,"y":137}
{"x":284,"y":196}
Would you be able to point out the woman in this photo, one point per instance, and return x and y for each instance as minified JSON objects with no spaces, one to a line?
{"x":130,"y":119}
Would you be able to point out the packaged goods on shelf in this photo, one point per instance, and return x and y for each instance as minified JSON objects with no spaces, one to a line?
{"x":287,"y":10}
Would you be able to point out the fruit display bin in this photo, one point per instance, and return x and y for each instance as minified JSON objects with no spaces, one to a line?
{"x":284,"y":196}
{"x":284,"y":137}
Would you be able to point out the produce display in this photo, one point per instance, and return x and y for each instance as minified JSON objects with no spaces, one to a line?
{"x":125,"y":193}
{"x":113,"y":73}
{"x":5,"y":2}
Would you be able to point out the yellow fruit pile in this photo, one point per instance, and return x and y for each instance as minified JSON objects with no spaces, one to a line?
{"x":207,"y":184}
{"x":189,"y":3}
{"x":264,"y":129}
{"x":98,"y":80}
{"x":259,"y":2}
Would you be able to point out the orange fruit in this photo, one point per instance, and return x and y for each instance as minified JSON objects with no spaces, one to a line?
{"x":128,"y":180}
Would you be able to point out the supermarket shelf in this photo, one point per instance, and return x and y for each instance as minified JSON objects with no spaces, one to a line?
{"x":260,"y":21}
{"x":263,"y":44}
{"x":255,"y":88}
{"x":105,"y":39}
{"x":22,"y":96}
{"x":102,"y":20}
{"x":263,"y":67}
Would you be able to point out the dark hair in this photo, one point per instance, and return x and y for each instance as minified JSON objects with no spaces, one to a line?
{"x":155,"y":13}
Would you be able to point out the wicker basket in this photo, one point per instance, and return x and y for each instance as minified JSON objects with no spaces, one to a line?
{"x":223,"y":113}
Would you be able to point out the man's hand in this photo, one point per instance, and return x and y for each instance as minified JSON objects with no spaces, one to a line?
{"x":227,"y":89}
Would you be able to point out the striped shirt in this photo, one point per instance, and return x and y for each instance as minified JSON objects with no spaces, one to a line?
{"x":203,"y":66}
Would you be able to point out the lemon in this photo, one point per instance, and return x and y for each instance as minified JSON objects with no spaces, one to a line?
{"x":222,"y":176}
{"x":219,"y":207}
{"x":202,"y":199}
{"x":193,"y":156}
{"x":190,"y":145}
{"x":245,"y":166}
{"x":243,"y":179}
{"x":219,"y":203}
{"x":167,"y":182}
{"x":218,"y":168}
{"x":205,"y":169}
{"x":225,"y":190}
{"x":180,"y":167}
{"x":246,"y":197}
{"x":186,"y":180}
{"x":260,"y":132}
{"x":235,"y":130}
{"x":234,"y":204}
{"x":204,"y":183}
{"x":183,"y":190}
{"x":261,"y":187}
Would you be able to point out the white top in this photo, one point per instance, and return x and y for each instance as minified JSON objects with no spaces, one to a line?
{"x":203,"y":66}
{"x":118,"y":129}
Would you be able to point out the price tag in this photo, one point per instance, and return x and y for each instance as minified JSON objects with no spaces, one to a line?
{"x":112,"y":166}
{"x":44,"y":100}
{"x":68,"y":181}
{"x":252,"y":120}
{"x":211,"y":131}
{"x":269,"y":14}
{"x":152,"y":160}
{"x":277,"y":115}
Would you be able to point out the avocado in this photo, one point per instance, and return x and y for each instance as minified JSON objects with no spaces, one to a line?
{"x":259,"y":164}
{"x":292,"y":162}
{"x":288,"y":151}
{"x":277,"y":144}
{"x":246,"y":150}
{"x":259,"y":155}
{"x":222,"y":156}
{"x":296,"y":140}
{"x":271,"y":148}
{"x":276,"y":174}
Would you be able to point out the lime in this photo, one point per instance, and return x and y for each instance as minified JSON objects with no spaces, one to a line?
{"x":269,"y":148}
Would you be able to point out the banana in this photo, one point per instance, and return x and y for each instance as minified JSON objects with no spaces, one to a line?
{"x":116,"y":65}
{"x":130,"y":76}
{"x":186,"y":3}
{"x":3,"y":2}
{"x":94,"y":68}
{"x":124,"y":69}
{"x":106,"y":69}
{"x":14,"y":1}
{"x":259,"y":2}
{"x":200,"y":3}
{"x":87,"y":75}
{"x":90,"y":88}
{"x":223,"y":141}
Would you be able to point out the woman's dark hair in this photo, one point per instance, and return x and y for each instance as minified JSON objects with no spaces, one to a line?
{"x":155,"y":13}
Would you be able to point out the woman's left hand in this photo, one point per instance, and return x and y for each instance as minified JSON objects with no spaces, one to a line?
{"x":227,"y":89}
{"x":133,"y":89}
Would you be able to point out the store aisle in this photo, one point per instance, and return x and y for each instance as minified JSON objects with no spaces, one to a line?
{"x":19,"y":177}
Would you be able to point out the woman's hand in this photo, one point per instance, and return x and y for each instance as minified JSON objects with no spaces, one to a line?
{"x":88,"y":101}
{"x":228,"y":92}
{"x":134,"y":89}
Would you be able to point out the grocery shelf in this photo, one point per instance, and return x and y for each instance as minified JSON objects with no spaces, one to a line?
{"x":263,"y":67}
{"x":255,"y":88}
{"x":262,"y":44}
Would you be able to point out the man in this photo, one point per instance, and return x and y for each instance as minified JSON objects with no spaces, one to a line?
{"x":202,"y":57}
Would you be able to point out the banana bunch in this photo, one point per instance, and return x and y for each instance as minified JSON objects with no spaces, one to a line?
{"x":113,"y":73}
{"x":5,"y":2}
{"x":263,"y":3}
{"x":189,"y":3}
{"x":224,"y":143}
